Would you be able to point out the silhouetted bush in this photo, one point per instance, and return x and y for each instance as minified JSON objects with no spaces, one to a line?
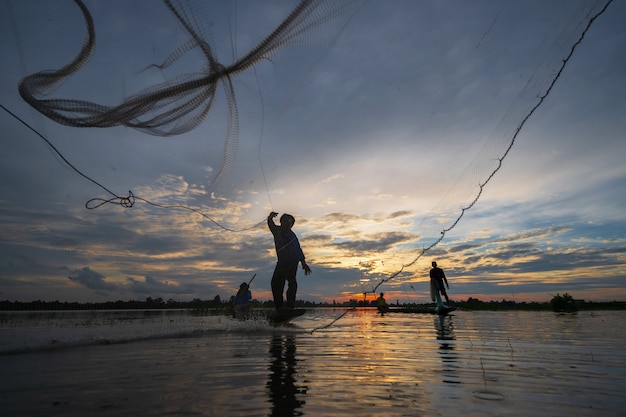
{"x":563,"y":303}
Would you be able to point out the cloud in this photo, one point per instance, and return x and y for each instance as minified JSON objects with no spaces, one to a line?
{"x":360,"y":147}
{"x":92,"y":279}
{"x":379,"y":242}
{"x":152,"y":286}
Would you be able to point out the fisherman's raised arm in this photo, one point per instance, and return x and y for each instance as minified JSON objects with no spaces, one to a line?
{"x":270,"y":222}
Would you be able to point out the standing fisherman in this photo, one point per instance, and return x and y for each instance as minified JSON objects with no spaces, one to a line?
{"x":437,"y":279}
{"x":289,"y":255}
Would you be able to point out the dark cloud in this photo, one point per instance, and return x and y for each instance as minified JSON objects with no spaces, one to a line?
{"x":465,"y":247}
{"x":92,"y":279}
{"x":544,"y":289}
{"x":516,"y":250}
{"x":319,"y":239}
{"x":528,"y":258}
{"x":399,"y":214}
{"x":340,"y":217}
{"x":532,"y":234}
{"x":369,"y":150}
{"x":378,"y":242}
{"x":152,"y":286}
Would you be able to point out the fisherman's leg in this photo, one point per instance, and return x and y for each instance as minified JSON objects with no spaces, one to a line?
{"x":445,"y":294}
{"x":440,"y":289}
{"x":439,"y":302}
{"x":292,"y":286}
{"x":278,"y":285}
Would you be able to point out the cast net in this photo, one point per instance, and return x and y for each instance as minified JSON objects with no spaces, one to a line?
{"x":369,"y":123}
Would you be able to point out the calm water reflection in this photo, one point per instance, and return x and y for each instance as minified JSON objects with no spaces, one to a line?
{"x":466,"y":364}
{"x":286,"y":393}
{"x":444,"y":329}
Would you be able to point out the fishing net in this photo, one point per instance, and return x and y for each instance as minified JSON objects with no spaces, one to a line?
{"x":199,"y":118}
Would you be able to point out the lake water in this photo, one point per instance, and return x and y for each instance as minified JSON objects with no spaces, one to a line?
{"x":171,"y":363}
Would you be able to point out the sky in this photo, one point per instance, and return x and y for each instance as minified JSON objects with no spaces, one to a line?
{"x":378,"y":127}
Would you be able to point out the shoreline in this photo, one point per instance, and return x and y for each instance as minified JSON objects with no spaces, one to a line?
{"x":469,"y":305}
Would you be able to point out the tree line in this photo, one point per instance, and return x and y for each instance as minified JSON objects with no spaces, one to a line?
{"x":559,"y":303}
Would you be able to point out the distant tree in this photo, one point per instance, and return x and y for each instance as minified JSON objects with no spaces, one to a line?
{"x":563,"y":303}
{"x":217,"y":301}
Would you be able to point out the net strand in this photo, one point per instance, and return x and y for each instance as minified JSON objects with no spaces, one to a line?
{"x":518,"y":129}
{"x":124,"y":201}
{"x":481,"y":186}
{"x":160,"y":110}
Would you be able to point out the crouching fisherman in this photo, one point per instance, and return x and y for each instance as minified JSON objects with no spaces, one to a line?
{"x":241,"y":301}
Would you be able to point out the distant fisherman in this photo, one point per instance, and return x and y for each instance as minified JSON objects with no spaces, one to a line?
{"x":241,"y":301}
{"x":381,"y":303}
{"x":437,"y":279}
{"x":289,"y":255}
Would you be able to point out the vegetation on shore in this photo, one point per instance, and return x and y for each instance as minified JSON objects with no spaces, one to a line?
{"x":559,"y":303}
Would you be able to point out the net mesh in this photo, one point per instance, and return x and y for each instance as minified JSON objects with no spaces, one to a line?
{"x":220,"y":112}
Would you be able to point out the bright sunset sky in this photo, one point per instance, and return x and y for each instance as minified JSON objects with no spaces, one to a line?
{"x":374,"y":128}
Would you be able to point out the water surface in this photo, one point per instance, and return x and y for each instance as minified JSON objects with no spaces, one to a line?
{"x":172,"y":363}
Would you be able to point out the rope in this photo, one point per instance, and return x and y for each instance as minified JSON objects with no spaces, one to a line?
{"x":127,"y":201}
{"x":500,"y":160}
{"x":506,"y":152}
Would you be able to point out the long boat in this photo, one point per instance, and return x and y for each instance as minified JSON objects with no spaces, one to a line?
{"x":418,"y":310}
